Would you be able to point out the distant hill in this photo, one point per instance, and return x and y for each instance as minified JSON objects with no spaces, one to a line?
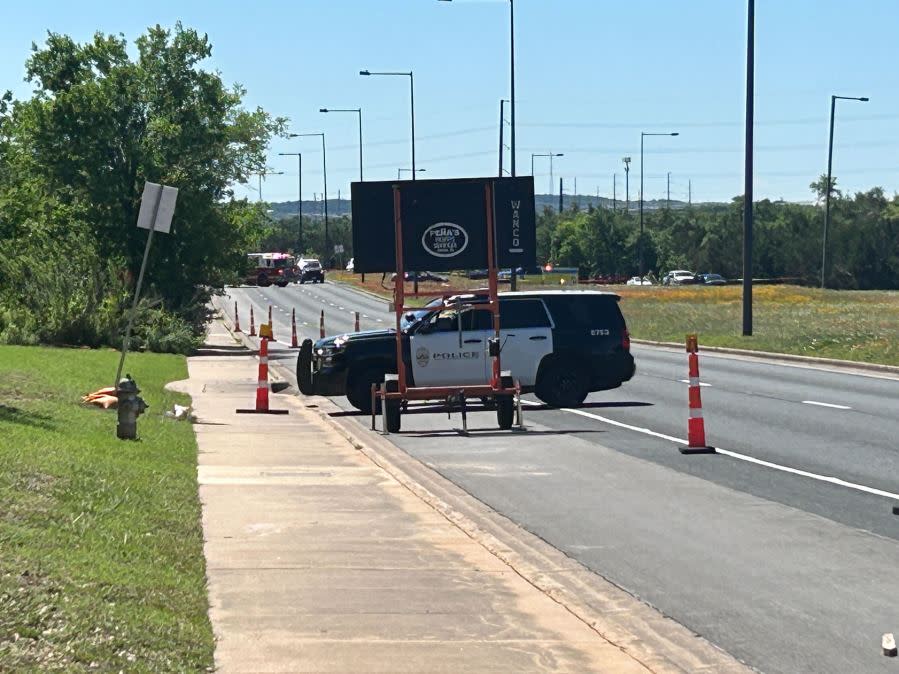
{"x":338,"y":207}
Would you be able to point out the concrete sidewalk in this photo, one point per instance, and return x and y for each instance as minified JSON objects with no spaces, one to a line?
{"x":320,"y":560}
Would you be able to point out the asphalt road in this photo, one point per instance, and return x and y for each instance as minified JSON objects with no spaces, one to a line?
{"x":782,"y":551}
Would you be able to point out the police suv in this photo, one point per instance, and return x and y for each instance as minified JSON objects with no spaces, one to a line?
{"x":561,"y":345}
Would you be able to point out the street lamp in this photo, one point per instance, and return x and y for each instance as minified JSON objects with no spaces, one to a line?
{"x":643,"y":134}
{"x":325,"y":176}
{"x":358,"y":111}
{"x":550,"y":155}
{"x":511,"y":81}
{"x":266,"y":172}
{"x":828,"y":186}
{"x":627,"y":193}
{"x":399,"y":171}
{"x":299,"y":156}
{"x":368,"y":73}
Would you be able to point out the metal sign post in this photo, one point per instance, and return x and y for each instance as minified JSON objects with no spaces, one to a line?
{"x":157,"y":206}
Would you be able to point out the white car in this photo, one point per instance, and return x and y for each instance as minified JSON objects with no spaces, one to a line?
{"x":637,"y":281}
{"x":679,"y":277}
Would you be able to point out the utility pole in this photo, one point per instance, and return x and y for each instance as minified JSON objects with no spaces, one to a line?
{"x":690,"y":192}
{"x":614,"y":192}
{"x":747,"y":177}
{"x":627,"y":174}
{"x":560,"y":195}
{"x":668,"y":205}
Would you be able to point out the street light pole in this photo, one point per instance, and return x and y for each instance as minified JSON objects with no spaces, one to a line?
{"x":325,"y":195}
{"x":550,"y":155}
{"x":627,"y":194}
{"x":299,"y":157}
{"x":829,"y":186}
{"x":643,"y":134}
{"x":368,"y":73}
{"x":357,"y":111}
{"x":502,"y":124}
{"x":748,"y":173}
{"x":266,"y":172}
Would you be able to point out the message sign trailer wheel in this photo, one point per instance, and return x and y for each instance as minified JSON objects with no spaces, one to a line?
{"x":396,"y":394}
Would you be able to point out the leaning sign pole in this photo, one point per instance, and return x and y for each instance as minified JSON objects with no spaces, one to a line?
{"x":157,"y":206}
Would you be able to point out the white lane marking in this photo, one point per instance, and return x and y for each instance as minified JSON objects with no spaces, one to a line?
{"x":735,"y":455}
{"x":836,"y":407}
{"x":342,"y":309}
{"x":365,"y":316}
{"x":332,"y":304}
{"x":687,"y":381}
{"x":379,"y":320}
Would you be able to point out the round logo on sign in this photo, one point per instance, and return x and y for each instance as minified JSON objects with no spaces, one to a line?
{"x":422,"y":356}
{"x":444,"y":239}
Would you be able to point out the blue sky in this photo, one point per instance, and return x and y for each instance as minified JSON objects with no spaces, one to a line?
{"x":590,"y":75}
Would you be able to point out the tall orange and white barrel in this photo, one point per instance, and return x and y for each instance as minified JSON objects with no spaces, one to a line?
{"x":696,"y":443}
{"x":252,"y":324}
{"x":293,"y":329}
{"x":236,"y":319}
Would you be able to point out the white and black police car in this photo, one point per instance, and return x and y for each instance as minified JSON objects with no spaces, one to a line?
{"x":560,"y":345}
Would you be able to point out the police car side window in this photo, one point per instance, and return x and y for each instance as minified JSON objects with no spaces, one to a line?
{"x":518,"y":314}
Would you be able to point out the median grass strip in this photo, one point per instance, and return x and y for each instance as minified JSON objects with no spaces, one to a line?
{"x":101,"y":549}
{"x":843,"y":324}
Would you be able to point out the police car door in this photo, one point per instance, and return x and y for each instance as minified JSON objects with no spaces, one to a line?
{"x":526,"y":337}
{"x":438,"y":359}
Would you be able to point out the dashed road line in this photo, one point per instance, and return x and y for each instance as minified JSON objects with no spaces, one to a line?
{"x":687,"y":381}
{"x":834,"y":406}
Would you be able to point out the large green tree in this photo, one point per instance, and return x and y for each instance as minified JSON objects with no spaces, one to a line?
{"x":99,"y":124}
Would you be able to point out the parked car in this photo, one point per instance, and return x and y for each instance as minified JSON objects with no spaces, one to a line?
{"x":265,"y":269}
{"x":560,"y":345}
{"x":477,"y":274}
{"x":311,"y":270}
{"x":422,"y":276}
{"x":713,"y":279}
{"x":679,"y":277}
{"x":637,"y":281}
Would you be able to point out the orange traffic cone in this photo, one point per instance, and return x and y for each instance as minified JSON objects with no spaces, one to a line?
{"x":236,"y":319}
{"x":252,"y":324}
{"x":293,"y":329}
{"x":356,"y":327}
{"x":321,"y":325}
{"x":695,"y":424}
{"x":262,"y":387}
{"x":271,"y":326}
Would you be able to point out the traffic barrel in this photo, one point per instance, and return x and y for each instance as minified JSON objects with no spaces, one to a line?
{"x":262,"y":386}
{"x":236,"y":319}
{"x":356,"y":326}
{"x":696,"y":443}
{"x":271,"y":326}
{"x":321,"y":325}
{"x":252,"y":324}
{"x":293,"y":329}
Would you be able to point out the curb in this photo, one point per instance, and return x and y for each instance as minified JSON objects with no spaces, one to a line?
{"x":788,"y":357}
{"x":656,"y":641}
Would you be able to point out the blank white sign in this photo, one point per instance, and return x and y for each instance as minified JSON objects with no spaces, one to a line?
{"x":167,"y":197}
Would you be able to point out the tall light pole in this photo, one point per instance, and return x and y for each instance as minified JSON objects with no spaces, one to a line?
{"x":262,"y":174}
{"x":747,"y":172}
{"x":358,"y":111}
{"x":643,"y":135}
{"x":368,"y":73}
{"x":400,"y":171}
{"x":627,"y":193}
{"x":299,"y":156}
{"x":829,"y":186}
{"x":325,"y":195}
{"x":550,"y":155}
{"x":502,"y":125}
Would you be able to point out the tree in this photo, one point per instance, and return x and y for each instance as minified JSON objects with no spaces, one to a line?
{"x":100,"y":124}
{"x":819,"y":187}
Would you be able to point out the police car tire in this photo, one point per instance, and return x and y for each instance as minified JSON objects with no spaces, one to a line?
{"x":359,"y":389}
{"x":505,"y":412}
{"x":304,"y":368}
{"x":561,"y":384}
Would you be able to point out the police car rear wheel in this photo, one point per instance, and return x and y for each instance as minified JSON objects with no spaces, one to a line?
{"x":561,"y":384}
{"x":359,"y":389}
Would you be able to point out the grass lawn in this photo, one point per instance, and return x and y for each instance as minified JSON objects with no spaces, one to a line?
{"x":851,"y":325}
{"x":101,"y":549}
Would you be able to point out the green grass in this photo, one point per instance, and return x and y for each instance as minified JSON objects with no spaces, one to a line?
{"x":844,"y":324}
{"x":101,"y":557}
{"x":851,"y":325}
